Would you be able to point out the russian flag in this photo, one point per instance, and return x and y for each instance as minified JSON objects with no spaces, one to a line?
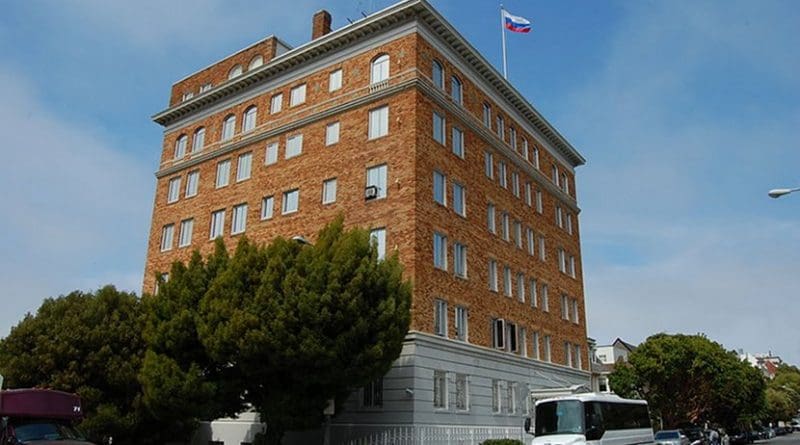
{"x":516,"y":24}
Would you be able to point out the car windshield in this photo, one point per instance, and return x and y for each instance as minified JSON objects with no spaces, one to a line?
{"x":667,"y":435}
{"x":45,"y":431}
{"x":559,"y":417}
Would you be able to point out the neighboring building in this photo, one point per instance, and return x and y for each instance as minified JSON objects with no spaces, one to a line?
{"x":398,"y":123}
{"x":767,"y":363}
{"x":604,"y":358}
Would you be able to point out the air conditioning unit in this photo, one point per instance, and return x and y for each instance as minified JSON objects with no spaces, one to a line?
{"x":371,"y":192}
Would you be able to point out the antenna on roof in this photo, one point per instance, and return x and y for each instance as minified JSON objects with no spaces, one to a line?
{"x":348,"y":19}
{"x":363,"y":14}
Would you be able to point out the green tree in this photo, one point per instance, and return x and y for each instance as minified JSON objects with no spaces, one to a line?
{"x":691,"y":379}
{"x":303,"y":324}
{"x":90,"y":344}
{"x":783,"y":394}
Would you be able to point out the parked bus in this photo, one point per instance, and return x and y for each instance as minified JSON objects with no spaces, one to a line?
{"x":40,"y":416}
{"x":590,"y":419}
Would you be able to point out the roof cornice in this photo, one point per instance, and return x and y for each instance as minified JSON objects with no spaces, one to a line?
{"x":381,"y":20}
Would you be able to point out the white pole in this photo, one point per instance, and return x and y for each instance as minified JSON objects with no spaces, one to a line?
{"x":503,"y":34}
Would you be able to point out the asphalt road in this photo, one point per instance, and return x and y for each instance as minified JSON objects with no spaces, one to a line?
{"x":789,"y":439}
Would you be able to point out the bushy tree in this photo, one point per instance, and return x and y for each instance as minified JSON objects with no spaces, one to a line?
{"x":783,"y":394}
{"x":691,"y":379}
{"x":90,"y":344}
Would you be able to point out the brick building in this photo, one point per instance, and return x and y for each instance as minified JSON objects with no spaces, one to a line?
{"x":397,"y":122}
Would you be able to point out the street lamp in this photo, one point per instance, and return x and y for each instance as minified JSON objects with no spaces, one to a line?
{"x":777,"y":193}
{"x":300,"y":239}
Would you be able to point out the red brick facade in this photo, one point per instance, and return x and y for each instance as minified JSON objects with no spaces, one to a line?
{"x":409,"y":212}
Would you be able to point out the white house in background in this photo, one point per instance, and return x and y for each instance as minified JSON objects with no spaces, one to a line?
{"x":604,"y":358}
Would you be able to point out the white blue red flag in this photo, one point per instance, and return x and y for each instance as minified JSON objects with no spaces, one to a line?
{"x":516,"y":24}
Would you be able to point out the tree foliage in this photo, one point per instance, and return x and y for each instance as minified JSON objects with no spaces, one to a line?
{"x":783,"y":394}
{"x":87,"y":343}
{"x":690,"y":379}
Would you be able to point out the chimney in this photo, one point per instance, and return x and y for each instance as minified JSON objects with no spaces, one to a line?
{"x":321,"y":24}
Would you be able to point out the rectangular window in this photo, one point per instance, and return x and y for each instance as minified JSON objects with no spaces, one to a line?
{"x":523,"y":342}
{"x":536,"y":157}
{"x":507,"y":281}
{"x":438,"y":128}
{"x":559,"y":217}
{"x":511,"y":399}
{"x":490,"y":218}
{"x":518,"y":234}
{"x":223,"y":173}
{"x":575,"y":315}
{"x":243,"y":167}
{"x":440,"y":317}
{"x":535,"y":339}
{"x":439,"y":188}
{"x":376,"y":177}
{"x":562,"y":261}
{"x":545,"y":297}
{"x":513,"y":138}
{"x":525,"y":152}
{"x":528,"y":194}
{"x":578,"y":357}
{"x":462,"y":392}
{"x":373,"y":394}
{"x":271,"y":154}
{"x":567,"y":354}
{"x":291,"y":201}
{"x":276,"y":103}
{"x":521,"y":287}
{"x":501,"y":127}
{"x":294,"y":145}
{"x":515,"y":184}
{"x":267,"y":205}
{"x":493,"y":275}
{"x":329,"y":191}
{"x":487,"y":115}
{"x":459,"y":199}
{"x":501,"y":172}
{"x":335,"y":80}
{"x":439,"y":251}
{"x":239,"y":221}
{"x":167,"y":234}
{"x":569,"y":223}
{"x":205,"y":87}
{"x":174,"y":190}
{"x":460,"y":260}
{"x":511,"y":336}
{"x":378,"y":122}
{"x":554,"y":175}
{"x":378,"y":237}
{"x":332,"y":133}
{"x":458,"y":142}
{"x":440,"y":389}
{"x":496,"y":403}
{"x":187,"y":225}
{"x":192,"y":182}
{"x":564,"y":307}
{"x":488,"y":162}
{"x":539,"y":202}
{"x":298,"y":95}
{"x":532,"y":288}
{"x":462,"y":323}
{"x":217,"y":224}
{"x":505,"y":226}
{"x":572,"y":271}
{"x":547,"y":350}
{"x":531,"y":237}
{"x":499,"y":333}
{"x":542,"y":249}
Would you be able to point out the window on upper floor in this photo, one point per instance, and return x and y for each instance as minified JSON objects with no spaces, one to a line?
{"x":502,"y":174}
{"x":440,"y":317}
{"x":440,"y":389}
{"x":505,"y":226}
{"x":521,"y":287}
{"x":192,"y":183}
{"x":536,"y":157}
{"x":437,"y":74}
{"x":513,"y":138}
{"x":249,"y":122}
{"x":554,"y":175}
{"x":439,"y":128}
{"x":487,"y":115}
{"x":267,"y":207}
{"x":217,"y":224}
{"x":525,"y":151}
{"x":501,"y":127}
{"x":187,"y":225}
{"x":439,"y":251}
{"x":373,"y":394}
{"x":239,"y":220}
{"x":456,"y":90}
{"x":535,"y":341}
{"x":462,"y":391}
{"x":294,"y":145}
{"x":459,"y":199}
{"x":531,"y":241}
{"x":539,"y":202}
{"x":542,"y":249}
{"x":497,"y":403}
{"x":378,"y":122}
{"x":244,"y":166}
{"x":458,"y":142}
{"x":276,"y":103}
{"x":518,"y":233}
{"x":459,"y":260}
{"x":548,"y":353}
{"x":180,"y":146}
{"x":569,"y":223}
{"x":291,"y":201}
{"x":187,"y":95}
{"x":235,"y":72}
{"x":332,"y":133}
{"x":174,"y":189}
{"x":378,"y":237}
{"x":490,"y":218}
{"x":377,"y":177}
{"x":335,"y":80}
{"x":462,"y":323}
{"x":440,"y":188}
{"x":228,"y":127}
{"x":223,"y":173}
{"x":493,"y":275}
{"x":545,"y":297}
{"x":507,"y":284}
{"x":167,"y":234}
{"x":515,"y":184}
{"x":271,"y":153}
{"x":255,"y":62}
{"x":488,"y":165}
{"x":564,"y":307}
{"x":575,"y":315}
{"x":297,"y":95}
{"x":379,"y":70}
{"x":199,"y":140}
{"x":329,"y":191}
{"x":532,"y":289}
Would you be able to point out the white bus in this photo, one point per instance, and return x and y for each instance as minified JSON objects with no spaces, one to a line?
{"x":590,"y":419}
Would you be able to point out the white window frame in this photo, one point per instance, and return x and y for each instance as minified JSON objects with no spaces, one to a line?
{"x":528,"y":194}
{"x":294,"y":146}
{"x":378,"y":236}
{"x":335,"y":80}
{"x":239,"y":219}
{"x":487,"y":115}
{"x":228,"y":128}
{"x":185,"y":237}
{"x":505,"y":220}
{"x":236,"y":71}
{"x":502,"y":173}
{"x":379,"y":69}
{"x":439,"y":188}
{"x":440,"y":389}
{"x":531,"y":238}
{"x":437,"y":74}
{"x":456,"y":90}
{"x":497,"y":404}
{"x":462,"y":392}
{"x":378,"y":176}
{"x":290,"y":202}
{"x":536,"y":347}
{"x":244,"y":166}
{"x":548,"y":349}
{"x":217,"y":224}
{"x":539,"y":202}
{"x":167,"y":237}
{"x":545,"y":297}
{"x":521,"y":287}
{"x":462,"y":323}
{"x":488,"y":164}
{"x":332,"y":133}
{"x":493,"y":283}
{"x":199,"y":140}
{"x":491,"y":218}
{"x":267,"y":207}
{"x":515,"y":183}
{"x":223,"y":173}
{"x":533,"y":285}
{"x":249,"y":120}
{"x":378,"y":122}
{"x":439,"y":251}
{"x":459,"y":199}
{"x":192,"y":183}
{"x":440,"y":317}
{"x":542,"y":248}
{"x":180,"y":146}
{"x":271,"y":153}
{"x":508,"y":285}
{"x":439,"y":128}
{"x":459,"y":260}
{"x":297,"y":95}
{"x":457,"y":141}
{"x":276,"y":103}
{"x":329,"y":191}
{"x":174,"y":190}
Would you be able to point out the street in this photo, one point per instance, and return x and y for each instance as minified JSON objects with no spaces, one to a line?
{"x":789,"y":439}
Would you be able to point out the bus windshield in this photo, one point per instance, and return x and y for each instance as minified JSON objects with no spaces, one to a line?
{"x":559,"y":417}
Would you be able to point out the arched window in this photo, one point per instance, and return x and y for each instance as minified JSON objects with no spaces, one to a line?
{"x":249,"y":122}
{"x":255,"y":63}
{"x":455,"y":90}
{"x":235,"y":71}
{"x":228,"y":127}
{"x":380,"y":69}
{"x":180,"y":146}
{"x":199,"y":139}
{"x":438,"y":74}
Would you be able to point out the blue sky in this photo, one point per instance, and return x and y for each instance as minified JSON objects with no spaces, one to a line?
{"x":687,"y":112}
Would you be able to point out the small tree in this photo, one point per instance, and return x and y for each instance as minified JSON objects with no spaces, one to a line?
{"x":90,"y":344}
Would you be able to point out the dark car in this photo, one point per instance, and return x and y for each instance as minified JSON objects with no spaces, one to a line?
{"x":740,"y":437}
{"x":696,"y":436}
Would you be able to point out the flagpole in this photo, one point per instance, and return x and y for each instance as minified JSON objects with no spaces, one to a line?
{"x":503,"y":34}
